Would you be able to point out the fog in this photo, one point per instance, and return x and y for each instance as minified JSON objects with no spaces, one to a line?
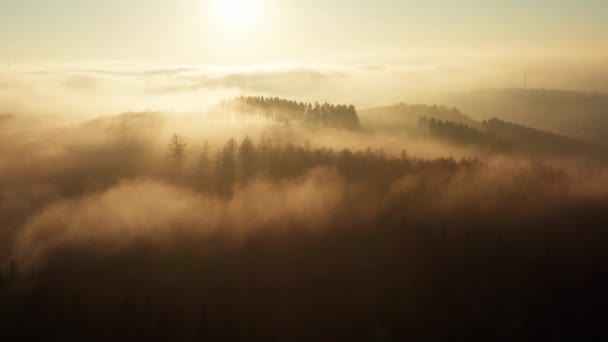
{"x":270,"y":217}
{"x":110,"y":181}
{"x":93,"y":89}
{"x":265,"y":170}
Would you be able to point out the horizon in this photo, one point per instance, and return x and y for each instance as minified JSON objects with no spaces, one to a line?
{"x":190,"y":53}
{"x":91,"y":89}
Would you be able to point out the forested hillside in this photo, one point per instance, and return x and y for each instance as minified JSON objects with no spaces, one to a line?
{"x":403,"y":117}
{"x":286,"y":112}
{"x":533,"y":141}
{"x":264,"y":240}
{"x":461,"y":134}
{"x":451,"y":126}
{"x":223,"y":231}
{"x":576,"y":114}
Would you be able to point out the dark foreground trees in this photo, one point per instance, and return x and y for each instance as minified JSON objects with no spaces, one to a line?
{"x":467,"y":275}
{"x":412,"y":249}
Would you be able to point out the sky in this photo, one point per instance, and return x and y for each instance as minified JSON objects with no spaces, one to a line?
{"x":201,"y":31}
{"x":116,"y":55}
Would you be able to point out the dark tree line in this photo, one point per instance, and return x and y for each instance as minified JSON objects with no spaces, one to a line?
{"x":404,"y":118}
{"x":534,"y":141}
{"x":462,"y":134}
{"x":493,"y":135}
{"x":282,"y":111}
{"x":237,"y":163}
{"x":438,"y":112}
{"x":500,"y":136}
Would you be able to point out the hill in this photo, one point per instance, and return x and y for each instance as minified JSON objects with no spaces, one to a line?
{"x":452,"y":126}
{"x":287,"y":112}
{"x":576,"y":114}
{"x":404,"y":117}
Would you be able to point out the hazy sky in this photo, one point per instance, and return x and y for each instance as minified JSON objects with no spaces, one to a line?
{"x":256,"y":31}
{"x":105,"y":56}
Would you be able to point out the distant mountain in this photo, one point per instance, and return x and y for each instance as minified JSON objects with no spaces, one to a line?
{"x":575,"y":114}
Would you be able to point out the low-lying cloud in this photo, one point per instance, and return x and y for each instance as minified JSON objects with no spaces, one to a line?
{"x":153,"y":211}
{"x":96,"y":89}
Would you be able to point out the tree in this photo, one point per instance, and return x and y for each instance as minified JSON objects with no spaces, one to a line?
{"x":286,"y":112}
{"x":218,"y":167}
{"x":247,"y":158}
{"x":227,"y":166}
{"x":13,"y":273}
{"x":177,"y":150}
{"x":204,"y":164}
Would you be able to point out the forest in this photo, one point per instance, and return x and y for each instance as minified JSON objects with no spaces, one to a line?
{"x":281,"y":111}
{"x":304,"y":224}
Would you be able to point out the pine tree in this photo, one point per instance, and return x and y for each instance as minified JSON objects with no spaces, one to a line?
{"x":177,"y":150}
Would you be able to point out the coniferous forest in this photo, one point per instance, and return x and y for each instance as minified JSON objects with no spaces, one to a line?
{"x":287,"y":112}
{"x":302,"y":224}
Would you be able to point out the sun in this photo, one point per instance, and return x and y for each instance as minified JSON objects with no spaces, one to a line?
{"x":236,"y":14}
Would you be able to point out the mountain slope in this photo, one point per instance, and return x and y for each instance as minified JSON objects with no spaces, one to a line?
{"x":575,"y":114}
{"x":403,"y":117}
{"x":494,"y":135}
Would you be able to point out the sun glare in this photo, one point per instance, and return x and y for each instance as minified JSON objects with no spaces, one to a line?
{"x":236,"y":14}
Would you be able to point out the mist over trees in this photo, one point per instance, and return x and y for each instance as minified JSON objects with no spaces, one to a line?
{"x":238,"y":163}
{"x":137,"y":227}
{"x":303,"y":171}
{"x":177,"y":150}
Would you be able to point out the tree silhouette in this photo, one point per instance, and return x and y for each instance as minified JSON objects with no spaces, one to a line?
{"x":226,"y":166}
{"x":13,"y":272}
{"x":286,"y":112}
{"x":177,"y":150}
{"x":247,"y":158}
{"x":204,"y":165}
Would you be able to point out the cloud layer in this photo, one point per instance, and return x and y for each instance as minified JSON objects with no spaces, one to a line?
{"x":106,"y":88}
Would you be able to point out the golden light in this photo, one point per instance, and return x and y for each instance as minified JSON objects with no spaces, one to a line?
{"x":236,"y":14}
